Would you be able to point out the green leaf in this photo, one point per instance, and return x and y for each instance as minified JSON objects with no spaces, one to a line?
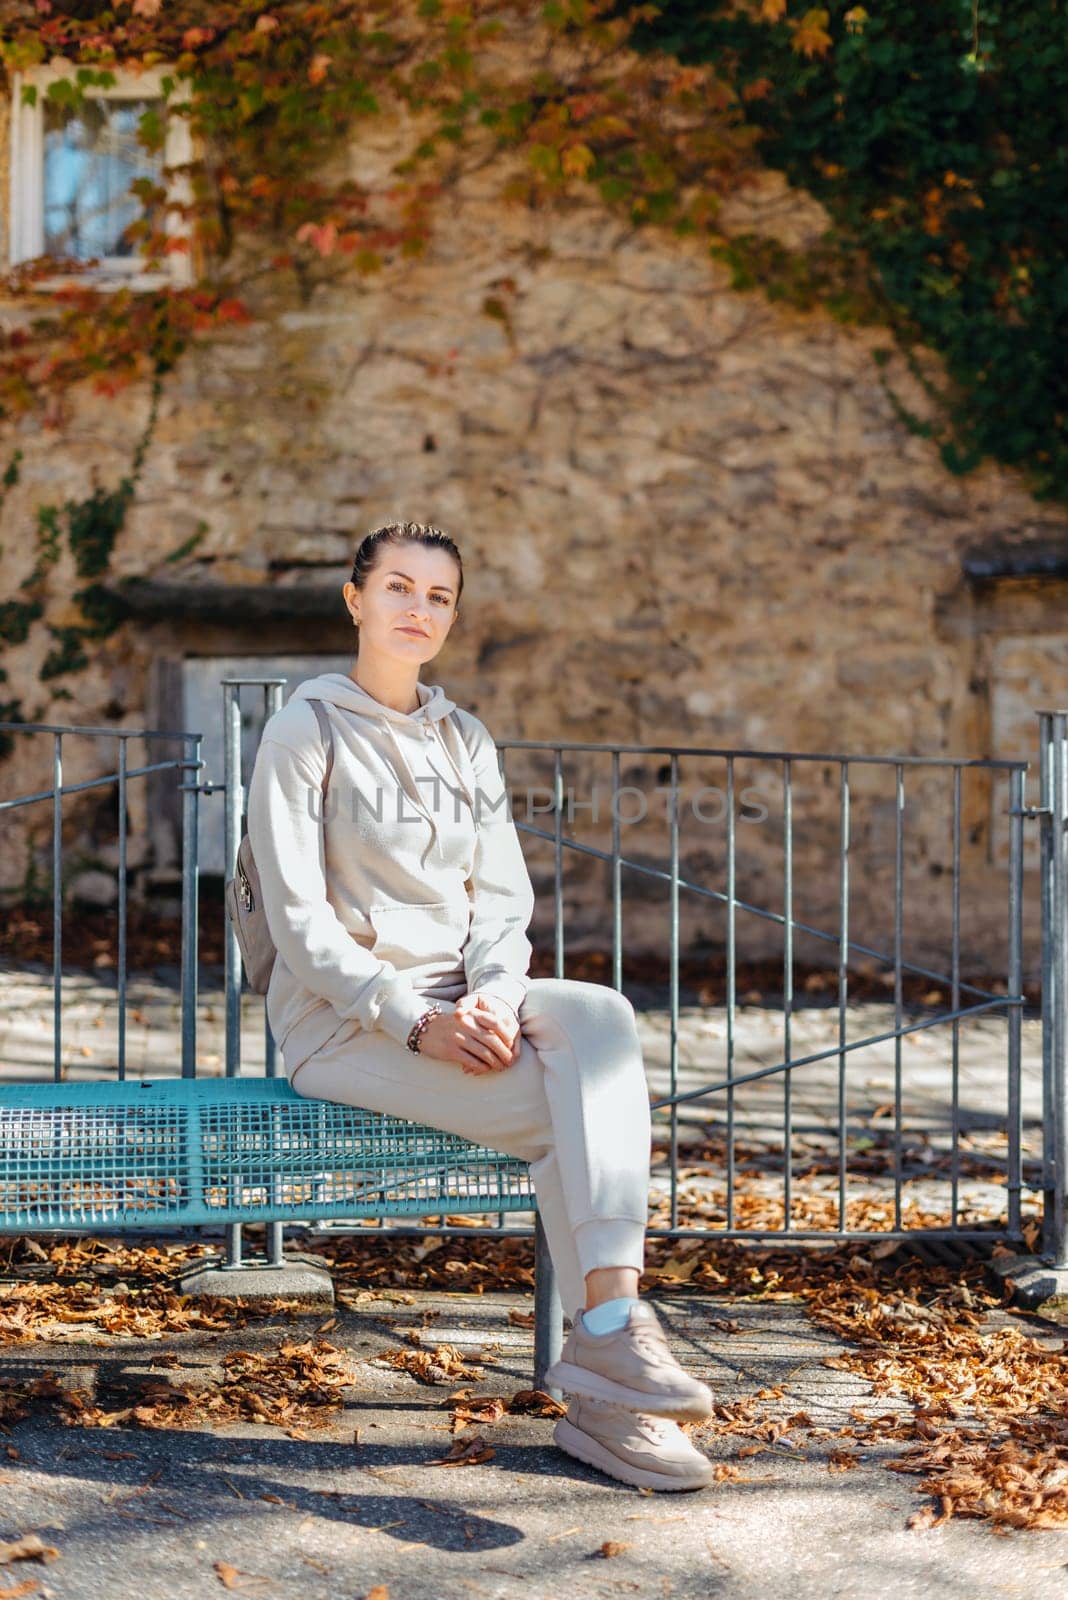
{"x":151,"y":131}
{"x":63,"y":92}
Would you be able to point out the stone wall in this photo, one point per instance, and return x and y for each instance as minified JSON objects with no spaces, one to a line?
{"x":689,"y":517}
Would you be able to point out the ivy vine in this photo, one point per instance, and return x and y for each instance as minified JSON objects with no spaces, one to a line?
{"x":933,"y":133}
{"x":91,"y":527}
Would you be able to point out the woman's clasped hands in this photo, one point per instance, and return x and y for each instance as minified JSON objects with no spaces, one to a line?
{"x":481,"y":1035}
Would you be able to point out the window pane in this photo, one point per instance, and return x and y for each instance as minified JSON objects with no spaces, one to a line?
{"x":91,"y":156}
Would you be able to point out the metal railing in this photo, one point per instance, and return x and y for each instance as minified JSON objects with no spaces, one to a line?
{"x":1052,"y":813}
{"x":967,"y":999}
{"x":188,"y":762}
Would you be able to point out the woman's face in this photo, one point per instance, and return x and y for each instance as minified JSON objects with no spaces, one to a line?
{"x":408,"y":603}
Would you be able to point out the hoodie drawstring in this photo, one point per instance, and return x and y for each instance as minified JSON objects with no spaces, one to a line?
{"x":337,"y":689}
{"x":414,"y":794}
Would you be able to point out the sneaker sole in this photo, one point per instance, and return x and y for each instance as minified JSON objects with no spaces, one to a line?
{"x":593,"y":1386}
{"x":574,"y":1442}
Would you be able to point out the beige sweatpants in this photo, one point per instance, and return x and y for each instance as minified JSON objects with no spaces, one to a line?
{"x":575,"y":1105}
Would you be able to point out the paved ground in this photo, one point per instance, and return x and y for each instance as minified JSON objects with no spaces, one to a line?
{"x":324,"y":1516}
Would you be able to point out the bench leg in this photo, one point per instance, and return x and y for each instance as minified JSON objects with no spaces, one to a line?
{"x":548,"y":1312}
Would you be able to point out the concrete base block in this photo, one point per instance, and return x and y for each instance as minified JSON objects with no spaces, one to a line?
{"x":300,"y":1277}
{"x":1032,"y":1282}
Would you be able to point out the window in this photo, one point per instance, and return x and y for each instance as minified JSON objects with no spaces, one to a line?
{"x":72,"y":166}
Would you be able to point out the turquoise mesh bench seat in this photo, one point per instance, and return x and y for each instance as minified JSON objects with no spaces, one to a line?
{"x":160,"y":1152}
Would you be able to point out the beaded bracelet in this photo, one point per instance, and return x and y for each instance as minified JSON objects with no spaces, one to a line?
{"x":419,"y":1027}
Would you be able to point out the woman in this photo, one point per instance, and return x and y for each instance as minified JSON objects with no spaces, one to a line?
{"x":399,"y":901}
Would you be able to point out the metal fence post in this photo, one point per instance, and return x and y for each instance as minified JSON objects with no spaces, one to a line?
{"x":190,"y":891}
{"x":1053,"y":816}
{"x":272,"y":702}
{"x":1014,"y":1016}
{"x":232,"y":800}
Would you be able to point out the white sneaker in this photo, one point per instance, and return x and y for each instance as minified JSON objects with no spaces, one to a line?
{"x":630,"y":1366}
{"x":637,"y":1448}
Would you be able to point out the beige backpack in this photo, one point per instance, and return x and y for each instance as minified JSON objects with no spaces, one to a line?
{"x":244,"y":902}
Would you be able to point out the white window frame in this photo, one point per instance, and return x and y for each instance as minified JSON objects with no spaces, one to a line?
{"x":26,"y":214}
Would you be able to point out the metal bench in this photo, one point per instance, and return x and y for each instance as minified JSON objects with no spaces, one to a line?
{"x":174,"y":1152}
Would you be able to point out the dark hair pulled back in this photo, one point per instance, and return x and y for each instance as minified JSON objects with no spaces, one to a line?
{"x":394,"y":533}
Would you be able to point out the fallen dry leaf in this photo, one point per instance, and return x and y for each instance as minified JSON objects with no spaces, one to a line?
{"x":536,"y":1403}
{"x":29,"y":1547}
{"x":296,"y":1385}
{"x":466,"y":1452}
{"x":429,"y":1366}
{"x":231,"y":1578}
{"x":488,"y":1409}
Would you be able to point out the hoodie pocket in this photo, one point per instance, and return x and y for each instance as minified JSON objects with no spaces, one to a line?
{"x":421,"y":936}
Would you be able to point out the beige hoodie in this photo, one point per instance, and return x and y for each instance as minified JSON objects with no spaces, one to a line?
{"x":412,"y":887}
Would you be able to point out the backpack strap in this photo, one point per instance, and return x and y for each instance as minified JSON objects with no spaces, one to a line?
{"x":328,"y":738}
